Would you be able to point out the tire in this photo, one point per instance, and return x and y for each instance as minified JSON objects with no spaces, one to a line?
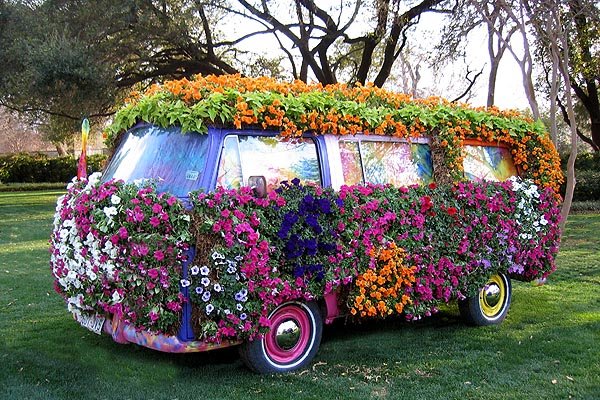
{"x":490,"y":305}
{"x":292,"y":342}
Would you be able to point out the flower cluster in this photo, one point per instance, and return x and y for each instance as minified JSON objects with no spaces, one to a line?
{"x":117,"y":249}
{"x":220,"y":292}
{"x":295,"y":108}
{"x":383,"y":290}
{"x":403,"y":250}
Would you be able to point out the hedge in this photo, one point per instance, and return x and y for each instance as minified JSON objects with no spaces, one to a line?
{"x":35,"y":168}
{"x":587,"y":175}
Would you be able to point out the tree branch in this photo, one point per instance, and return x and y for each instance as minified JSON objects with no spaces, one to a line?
{"x":567,"y":120}
{"x":471,"y":83}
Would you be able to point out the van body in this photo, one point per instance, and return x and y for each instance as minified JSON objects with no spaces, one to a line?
{"x":250,"y":212}
{"x":223,"y":158}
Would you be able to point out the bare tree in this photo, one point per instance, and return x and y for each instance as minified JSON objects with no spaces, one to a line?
{"x":508,"y":12}
{"x":16,"y":136}
{"x":315,"y":32}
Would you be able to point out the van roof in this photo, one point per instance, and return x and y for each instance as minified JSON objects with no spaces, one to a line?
{"x":297,"y":107}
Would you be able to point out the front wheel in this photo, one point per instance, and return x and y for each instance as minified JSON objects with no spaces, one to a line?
{"x":291,"y":343}
{"x":490,"y":305}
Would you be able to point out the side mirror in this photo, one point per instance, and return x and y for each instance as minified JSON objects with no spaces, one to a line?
{"x":258,"y":184}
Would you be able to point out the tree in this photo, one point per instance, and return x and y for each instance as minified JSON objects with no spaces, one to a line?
{"x":70,"y":59}
{"x":15,"y":135}
{"x":582,"y":20}
{"x":324,"y":38}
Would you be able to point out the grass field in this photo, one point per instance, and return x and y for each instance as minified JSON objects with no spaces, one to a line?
{"x":547,"y":348}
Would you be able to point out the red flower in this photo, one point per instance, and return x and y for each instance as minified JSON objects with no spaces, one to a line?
{"x":426,"y":203}
{"x":451,"y":211}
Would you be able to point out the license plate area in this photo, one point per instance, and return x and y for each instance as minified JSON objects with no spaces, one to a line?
{"x":92,"y":322}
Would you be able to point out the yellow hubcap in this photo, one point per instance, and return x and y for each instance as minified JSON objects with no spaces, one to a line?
{"x":492,"y":296}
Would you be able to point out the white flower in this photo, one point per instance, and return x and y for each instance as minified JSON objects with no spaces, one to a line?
{"x":205,"y":281}
{"x":226,"y":311}
{"x":115,"y":199}
{"x":209,"y":308}
{"x":217,"y":255}
{"x":239,"y":307}
{"x":116,"y":297}
{"x":206,"y":296}
{"x":92,"y":275}
{"x":199,"y":290}
{"x":217,"y":287}
{"x":204,"y":270}
{"x":194,"y":270}
{"x":110,"y":211}
{"x":184,"y":283}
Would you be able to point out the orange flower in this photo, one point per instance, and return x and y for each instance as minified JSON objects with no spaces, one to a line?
{"x":533,"y":151}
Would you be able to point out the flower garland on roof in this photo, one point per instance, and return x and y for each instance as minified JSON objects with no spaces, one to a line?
{"x":296,"y":107}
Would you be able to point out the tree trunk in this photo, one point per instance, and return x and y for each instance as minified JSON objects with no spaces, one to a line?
{"x":61,"y":149}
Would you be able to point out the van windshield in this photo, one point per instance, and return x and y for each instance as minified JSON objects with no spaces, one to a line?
{"x":175,"y":161}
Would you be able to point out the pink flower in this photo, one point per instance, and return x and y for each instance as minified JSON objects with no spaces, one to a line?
{"x":174,"y":306}
{"x":153,"y":273}
{"x":171,"y":200}
{"x":154,"y":221}
{"x":123,"y":234}
{"x":156,"y":208}
{"x":159,"y":255}
{"x":153,"y":316}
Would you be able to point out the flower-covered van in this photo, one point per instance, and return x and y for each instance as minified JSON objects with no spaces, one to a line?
{"x":260,"y":229}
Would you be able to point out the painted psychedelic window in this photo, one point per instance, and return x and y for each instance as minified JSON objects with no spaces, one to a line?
{"x":173,"y":160}
{"x":276,"y":160}
{"x":488,"y":163}
{"x":396,"y":163}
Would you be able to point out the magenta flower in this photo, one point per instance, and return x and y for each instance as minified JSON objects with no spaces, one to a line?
{"x":159,"y":255}
{"x":154,"y":221}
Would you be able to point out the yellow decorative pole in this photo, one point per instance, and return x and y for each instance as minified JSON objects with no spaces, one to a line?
{"x":82,"y":164}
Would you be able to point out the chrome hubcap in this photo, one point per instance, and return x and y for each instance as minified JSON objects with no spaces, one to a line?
{"x":288,"y":334}
{"x":492,"y":294}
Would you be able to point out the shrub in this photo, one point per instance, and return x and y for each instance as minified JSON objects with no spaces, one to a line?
{"x":35,"y":168}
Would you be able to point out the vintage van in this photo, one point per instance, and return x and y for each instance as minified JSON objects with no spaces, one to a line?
{"x":251,"y":232}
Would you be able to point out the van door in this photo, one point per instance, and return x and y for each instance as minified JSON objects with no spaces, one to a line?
{"x":277,"y":160}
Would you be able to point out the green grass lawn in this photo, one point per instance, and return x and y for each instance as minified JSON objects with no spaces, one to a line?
{"x":547,"y":348}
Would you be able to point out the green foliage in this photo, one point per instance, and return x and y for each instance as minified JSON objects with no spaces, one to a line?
{"x":587,"y":187}
{"x":585,"y":161}
{"x":28,"y":168}
{"x":587,"y":175}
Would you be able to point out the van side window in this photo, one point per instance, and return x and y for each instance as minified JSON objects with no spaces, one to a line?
{"x":351,"y":165}
{"x":396,"y":163}
{"x":268,"y":156}
{"x":488,"y":163}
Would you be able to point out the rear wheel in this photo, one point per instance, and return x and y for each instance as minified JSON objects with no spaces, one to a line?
{"x":291,"y":343}
{"x":490,"y":305}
